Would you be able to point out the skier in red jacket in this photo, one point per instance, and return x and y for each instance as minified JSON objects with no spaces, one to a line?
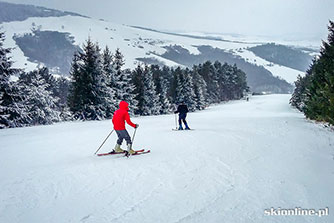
{"x":120,"y":117}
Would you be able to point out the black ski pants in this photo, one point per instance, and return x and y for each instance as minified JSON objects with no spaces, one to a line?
{"x":182,"y":118}
{"x":123,"y":134}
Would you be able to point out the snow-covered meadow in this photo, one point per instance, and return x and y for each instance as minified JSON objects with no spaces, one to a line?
{"x":242,"y":158}
{"x":138,"y":43}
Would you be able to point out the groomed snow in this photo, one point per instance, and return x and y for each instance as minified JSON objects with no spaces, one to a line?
{"x":242,"y":158}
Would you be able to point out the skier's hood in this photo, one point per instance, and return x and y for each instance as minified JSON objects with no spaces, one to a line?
{"x":124,"y":105}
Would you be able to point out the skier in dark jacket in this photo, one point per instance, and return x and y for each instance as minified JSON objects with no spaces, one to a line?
{"x":182,"y":109}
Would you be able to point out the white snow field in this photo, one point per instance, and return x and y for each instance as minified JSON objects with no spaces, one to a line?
{"x":242,"y":158}
{"x":138,"y":43}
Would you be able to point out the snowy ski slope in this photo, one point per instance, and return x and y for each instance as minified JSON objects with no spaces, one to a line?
{"x":242,"y":158}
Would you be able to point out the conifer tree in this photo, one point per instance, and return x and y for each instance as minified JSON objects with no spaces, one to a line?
{"x":8,"y":93}
{"x":223,"y":81}
{"x":40,"y":106}
{"x":208,"y":72}
{"x":199,"y":90}
{"x":230,"y":83}
{"x":151,"y":103}
{"x":184,"y":89}
{"x":138,"y":81}
{"x":77,"y":88}
{"x":109,"y":75}
{"x":62,"y":91}
{"x":129,"y":93}
{"x":123,"y":83}
{"x":299,"y":96}
{"x":178,"y":81}
{"x":161,"y":81}
{"x":239,"y":81}
{"x":187,"y":90}
{"x":165,"y":100}
{"x":120,"y":80}
{"x":108,"y":65}
{"x":314,"y":93}
{"x":89,"y":96}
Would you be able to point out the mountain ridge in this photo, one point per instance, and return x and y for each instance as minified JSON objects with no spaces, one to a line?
{"x":10,"y":12}
{"x":139,"y":44}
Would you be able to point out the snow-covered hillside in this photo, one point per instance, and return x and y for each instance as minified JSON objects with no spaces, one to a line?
{"x":242,"y":158}
{"x":134,"y":42}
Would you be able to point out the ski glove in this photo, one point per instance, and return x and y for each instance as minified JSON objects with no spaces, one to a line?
{"x":137,"y":125}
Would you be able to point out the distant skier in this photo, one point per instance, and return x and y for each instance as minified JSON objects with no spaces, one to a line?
{"x":119,"y":118}
{"x":182,"y":109}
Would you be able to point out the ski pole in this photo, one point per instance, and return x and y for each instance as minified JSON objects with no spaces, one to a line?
{"x":127,"y":154}
{"x":104,"y":141}
{"x":133,"y":137}
{"x":175,"y":122}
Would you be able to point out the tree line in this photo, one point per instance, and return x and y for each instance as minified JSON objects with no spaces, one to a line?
{"x":98,"y":81}
{"x":314,"y":93}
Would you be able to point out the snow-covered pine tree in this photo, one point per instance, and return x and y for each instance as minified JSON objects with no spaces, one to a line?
{"x":176,"y":85}
{"x":89,"y":95}
{"x":49,"y":79}
{"x":233,"y":81}
{"x":129,"y":94}
{"x":230,"y":82}
{"x":299,"y":95}
{"x":138,"y":81}
{"x":161,"y":81}
{"x":314,"y":93}
{"x":8,"y":109}
{"x":151,"y":103}
{"x":214,"y":83}
{"x":123,"y":83}
{"x":39,"y":104}
{"x":223,"y":81}
{"x":99,"y":85}
{"x":188,"y":86}
{"x":199,"y":89}
{"x":119,"y":80}
{"x":76,"y":95}
{"x":108,"y":65}
{"x":209,"y":73}
{"x":91,"y":69}
{"x":103,"y":94}
{"x":109,"y":73}
{"x":165,"y":100}
{"x":240,"y":83}
{"x":185,"y":88}
{"x":61,"y":90}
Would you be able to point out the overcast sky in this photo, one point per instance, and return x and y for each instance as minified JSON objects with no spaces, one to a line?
{"x":289,"y":18}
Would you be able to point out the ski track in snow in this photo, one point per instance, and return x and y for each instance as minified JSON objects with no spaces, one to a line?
{"x":242,"y":158}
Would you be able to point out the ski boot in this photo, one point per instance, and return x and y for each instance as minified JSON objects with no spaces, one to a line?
{"x":187,"y":127}
{"x":130,"y":151}
{"x":180,"y":128}
{"x":117,"y":149}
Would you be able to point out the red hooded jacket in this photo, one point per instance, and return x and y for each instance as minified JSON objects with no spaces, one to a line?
{"x":121,"y":115}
